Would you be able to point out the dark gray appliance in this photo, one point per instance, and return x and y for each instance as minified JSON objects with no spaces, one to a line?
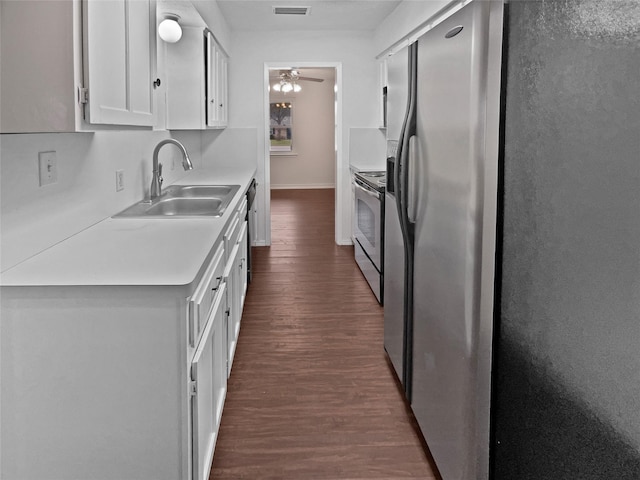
{"x":251,"y":221}
{"x":368,"y":228}
{"x":566,"y":402}
{"x":516,"y":189}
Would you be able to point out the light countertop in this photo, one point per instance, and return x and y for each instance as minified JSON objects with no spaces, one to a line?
{"x":135,"y":251}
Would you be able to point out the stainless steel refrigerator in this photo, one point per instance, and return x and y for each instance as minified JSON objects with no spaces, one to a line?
{"x":512,"y":242}
{"x":440,"y":230}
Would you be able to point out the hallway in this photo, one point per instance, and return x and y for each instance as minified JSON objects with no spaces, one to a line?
{"x":311,"y":395}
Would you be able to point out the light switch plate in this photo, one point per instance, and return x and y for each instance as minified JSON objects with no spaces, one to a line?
{"x":47,"y":167}
{"x":119,"y":180}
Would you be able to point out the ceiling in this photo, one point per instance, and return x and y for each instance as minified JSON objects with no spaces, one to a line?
{"x":326,"y":73}
{"x":185,"y":10}
{"x":324,"y":15}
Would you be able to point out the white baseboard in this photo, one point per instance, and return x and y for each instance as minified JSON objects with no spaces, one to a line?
{"x":300,"y":187}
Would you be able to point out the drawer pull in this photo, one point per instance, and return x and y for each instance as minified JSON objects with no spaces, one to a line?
{"x":218,"y":280}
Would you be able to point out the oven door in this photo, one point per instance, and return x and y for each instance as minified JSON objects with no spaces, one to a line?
{"x":368,"y":222}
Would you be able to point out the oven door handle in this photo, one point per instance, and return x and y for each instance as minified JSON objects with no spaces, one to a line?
{"x":366,"y":190}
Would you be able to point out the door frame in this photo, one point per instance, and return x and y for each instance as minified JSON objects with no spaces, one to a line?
{"x":340,"y":196}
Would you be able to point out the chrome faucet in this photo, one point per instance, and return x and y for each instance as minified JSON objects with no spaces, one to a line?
{"x":156,"y":181}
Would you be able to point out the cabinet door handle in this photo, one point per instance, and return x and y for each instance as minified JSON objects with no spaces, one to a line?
{"x":218,"y":279}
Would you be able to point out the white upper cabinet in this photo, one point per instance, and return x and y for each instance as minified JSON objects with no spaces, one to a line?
{"x":216,"y":84}
{"x":212,"y":74}
{"x":119,"y":61}
{"x":70,"y":65}
{"x":196,"y":72}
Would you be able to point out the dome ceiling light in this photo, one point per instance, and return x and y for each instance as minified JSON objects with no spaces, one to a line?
{"x":169,"y":29}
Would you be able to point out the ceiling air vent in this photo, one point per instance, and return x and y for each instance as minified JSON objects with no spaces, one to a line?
{"x":291,"y":10}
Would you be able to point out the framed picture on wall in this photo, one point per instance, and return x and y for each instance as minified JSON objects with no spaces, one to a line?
{"x":280,"y":126}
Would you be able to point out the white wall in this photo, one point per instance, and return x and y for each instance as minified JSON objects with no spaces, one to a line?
{"x":407,"y":20}
{"x":314,"y":162}
{"x":33,"y":218}
{"x":211,"y":14}
{"x":247,"y":94}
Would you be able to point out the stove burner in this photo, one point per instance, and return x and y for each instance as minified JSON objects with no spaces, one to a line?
{"x":375,"y":179}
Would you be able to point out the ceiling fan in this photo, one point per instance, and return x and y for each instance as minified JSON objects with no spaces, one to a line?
{"x":289,"y":81}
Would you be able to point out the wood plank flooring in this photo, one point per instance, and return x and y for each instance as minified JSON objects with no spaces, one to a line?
{"x":311,"y":395}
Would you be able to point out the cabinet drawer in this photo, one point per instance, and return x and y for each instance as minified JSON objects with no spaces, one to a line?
{"x":231,"y":236}
{"x":202,"y":299}
{"x":242,"y":210}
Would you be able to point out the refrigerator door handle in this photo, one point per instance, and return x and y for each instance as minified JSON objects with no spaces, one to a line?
{"x":412,"y":174}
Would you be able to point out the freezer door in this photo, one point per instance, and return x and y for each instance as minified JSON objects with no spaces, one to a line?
{"x":451,"y":339}
{"x":394,"y":325}
{"x":394,"y":255}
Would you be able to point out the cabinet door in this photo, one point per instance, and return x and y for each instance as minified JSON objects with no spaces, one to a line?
{"x":119,"y":61}
{"x":39,"y":78}
{"x":243,"y":280}
{"x":232,"y":279}
{"x":212,"y":99}
{"x":221,"y":81}
{"x":209,"y":388}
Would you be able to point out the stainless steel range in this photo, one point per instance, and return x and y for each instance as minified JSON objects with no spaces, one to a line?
{"x":368,"y":229}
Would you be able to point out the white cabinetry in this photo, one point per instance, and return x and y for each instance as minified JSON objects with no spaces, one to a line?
{"x":57,"y":55}
{"x":235,"y":275}
{"x":119,"y":61}
{"x":209,"y":386}
{"x":196,"y":72}
{"x":382,"y":89}
{"x":123,"y":382}
{"x":217,"y":95}
{"x":208,"y":376}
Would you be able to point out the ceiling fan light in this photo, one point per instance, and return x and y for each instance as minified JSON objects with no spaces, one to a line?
{"x":296,"y":87}
{"x":277,"y":87}
{"x":169,"y":29}
{"x":287,"y":87}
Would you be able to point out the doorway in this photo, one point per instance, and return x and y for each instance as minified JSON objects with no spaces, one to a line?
{"x":303,"y":140}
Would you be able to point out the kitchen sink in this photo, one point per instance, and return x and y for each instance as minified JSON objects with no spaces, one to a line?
{"x":191,"y":191}
{"x":178,"y":201}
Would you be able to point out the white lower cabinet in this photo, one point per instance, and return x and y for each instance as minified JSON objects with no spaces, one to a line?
{"x":235,"y":275}
{"x":120,"y":382}
{"x":209,"y":387}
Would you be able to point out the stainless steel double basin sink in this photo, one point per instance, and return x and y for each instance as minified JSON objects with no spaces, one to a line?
{"x":179,"y":201}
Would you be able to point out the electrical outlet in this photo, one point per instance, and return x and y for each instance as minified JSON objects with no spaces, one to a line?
{"x":119,"y":180}
{"x":47,"y":167}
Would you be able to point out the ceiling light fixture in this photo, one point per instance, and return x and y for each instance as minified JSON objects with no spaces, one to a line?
{"x":169,"y":29}
{"x":288,"y":83}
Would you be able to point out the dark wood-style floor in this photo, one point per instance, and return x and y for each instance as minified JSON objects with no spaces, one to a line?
{"x":311,"y":395}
